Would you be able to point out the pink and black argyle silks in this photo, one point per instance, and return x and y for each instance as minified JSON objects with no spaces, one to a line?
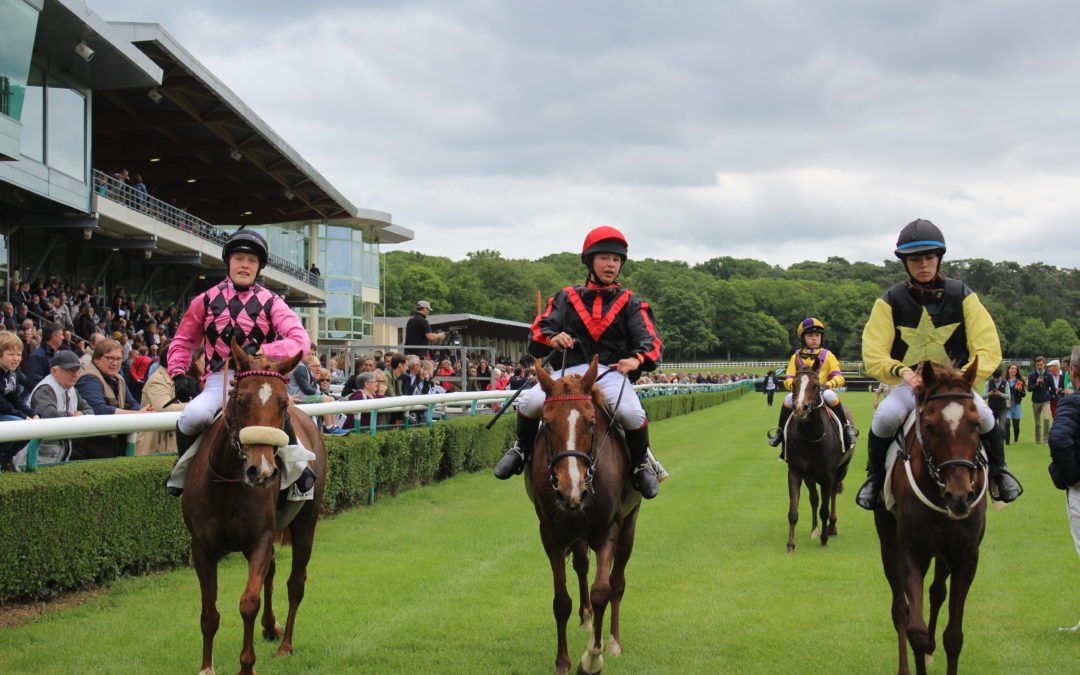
{"x":256,"y":317}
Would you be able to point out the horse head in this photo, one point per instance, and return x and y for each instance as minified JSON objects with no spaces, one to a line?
{"x":806,"y":390}
{"x":256,"y":411}
{"x":948,"y":432}
{"x":569,"y":421}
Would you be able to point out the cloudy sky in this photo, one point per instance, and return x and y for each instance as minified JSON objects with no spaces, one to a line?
{"x":781,"y":130}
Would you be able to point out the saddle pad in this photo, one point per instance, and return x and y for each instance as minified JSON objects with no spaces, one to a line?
{"x":890,"y":460}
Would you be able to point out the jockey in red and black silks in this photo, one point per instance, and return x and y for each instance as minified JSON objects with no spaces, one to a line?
{"x":239,"y":308}
{"x":598,"y":318}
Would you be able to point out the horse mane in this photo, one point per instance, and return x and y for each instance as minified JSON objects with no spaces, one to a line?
{"x":939,"y":377}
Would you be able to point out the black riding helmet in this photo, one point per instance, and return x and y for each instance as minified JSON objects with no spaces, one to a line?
{"x":245,"y":241}
{"x":920,"y":236}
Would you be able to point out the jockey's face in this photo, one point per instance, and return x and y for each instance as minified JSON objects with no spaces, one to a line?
{"x":606,"y":266}
{"x":243,"y":268}
{"x":812,"y":340}
{"x":922,"y":268}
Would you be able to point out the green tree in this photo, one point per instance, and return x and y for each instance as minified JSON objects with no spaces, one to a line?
{"x":1061,"y":337}
{"x":1033,"y":338}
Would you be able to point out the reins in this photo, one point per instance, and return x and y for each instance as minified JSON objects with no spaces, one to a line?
{"x":932,"y":466}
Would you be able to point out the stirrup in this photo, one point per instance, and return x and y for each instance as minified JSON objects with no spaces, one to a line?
{"x":653,"y":488}
{"x":511,"y":463}
{"x":775,"y":436}
{"x":1003,"y":475}
{"x":864,"y":500}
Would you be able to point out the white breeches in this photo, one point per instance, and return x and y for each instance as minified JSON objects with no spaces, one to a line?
{"x":200,"y":412}
{"x":895,"y":408}
{"x":829,"y":395}
{"x":629,"y":411}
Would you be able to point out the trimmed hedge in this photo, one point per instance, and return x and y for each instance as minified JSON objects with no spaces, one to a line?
{"x":72,"y":526}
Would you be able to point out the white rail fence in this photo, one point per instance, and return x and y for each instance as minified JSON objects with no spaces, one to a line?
{"x":458,"y":403}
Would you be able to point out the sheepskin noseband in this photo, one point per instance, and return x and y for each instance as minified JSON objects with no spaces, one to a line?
{"x":264,"y":436}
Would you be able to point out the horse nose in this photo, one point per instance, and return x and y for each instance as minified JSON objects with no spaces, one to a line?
{"x":260,"y":474}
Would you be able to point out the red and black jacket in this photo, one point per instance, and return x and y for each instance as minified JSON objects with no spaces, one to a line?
{"x":609,"y":320}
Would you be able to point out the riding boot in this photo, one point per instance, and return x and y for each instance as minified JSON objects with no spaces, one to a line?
{"x":851,"y":432}
{"x":644,"y":476}
{"x":514,"y":460}
{"x":1004,"y":486}
{"x":870,"y":493}
{"x":183,"y":442}
{"x":776,"y":434}
{"x":306,"y":479}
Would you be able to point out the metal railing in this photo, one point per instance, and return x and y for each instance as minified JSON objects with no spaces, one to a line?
{"x":120,"y":192}
{"x":466,"y":402}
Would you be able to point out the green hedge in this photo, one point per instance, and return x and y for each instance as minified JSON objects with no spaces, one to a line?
{"x":72,"y":526}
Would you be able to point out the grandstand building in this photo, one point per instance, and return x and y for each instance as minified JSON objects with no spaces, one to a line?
{"x":86,"y":105}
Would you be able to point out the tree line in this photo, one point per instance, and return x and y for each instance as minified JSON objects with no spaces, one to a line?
{"x":743,"y":308}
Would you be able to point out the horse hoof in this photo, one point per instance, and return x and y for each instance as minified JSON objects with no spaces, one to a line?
{"x":790,"y":548}
{"x":275,"y":633}
{"x":815,"y":533}
{"x":613,"y":647}
{"x":832,"y":530}
{"x":284,"y":650}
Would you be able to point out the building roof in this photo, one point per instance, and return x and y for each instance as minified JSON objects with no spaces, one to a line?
{"x":489,"y":326}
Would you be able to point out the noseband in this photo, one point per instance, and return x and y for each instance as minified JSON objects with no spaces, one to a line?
{"x":934,"y":467}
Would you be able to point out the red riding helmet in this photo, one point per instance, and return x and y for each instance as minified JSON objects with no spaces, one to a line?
{"x":603,"y":239}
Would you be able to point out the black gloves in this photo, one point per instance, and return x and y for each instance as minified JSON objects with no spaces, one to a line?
{"x":186,"y":388}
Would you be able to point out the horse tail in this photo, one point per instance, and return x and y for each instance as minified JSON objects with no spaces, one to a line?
{"x":284,"y":536}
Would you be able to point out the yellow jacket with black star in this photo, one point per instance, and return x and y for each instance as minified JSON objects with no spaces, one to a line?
{"x":828,"y":374}
{"x":947,"y":325}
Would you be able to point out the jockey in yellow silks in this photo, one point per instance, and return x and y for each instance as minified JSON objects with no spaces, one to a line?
{"x":811,"y":333}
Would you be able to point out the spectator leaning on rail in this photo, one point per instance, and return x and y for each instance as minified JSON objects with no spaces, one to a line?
{"x":159,"y":393}
{"x":107,"y":394}
{"x":598,"y":318}
{"x":12,"y":406}
{"x":238,"y":309}
{"x":56,"y":396}
{"x":1064,"y":441}
{"x":928,"y":317}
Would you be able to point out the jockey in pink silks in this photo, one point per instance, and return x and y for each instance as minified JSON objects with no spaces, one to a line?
{"x":239,"y":308}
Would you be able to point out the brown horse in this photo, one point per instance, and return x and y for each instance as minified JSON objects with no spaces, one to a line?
{"x":230,"y":498}
{"x":939,"y":482}
{"x":814,"y":449}
{"x":579,"y":482}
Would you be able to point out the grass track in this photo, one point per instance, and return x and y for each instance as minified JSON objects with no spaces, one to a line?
{"x":451,"y":578}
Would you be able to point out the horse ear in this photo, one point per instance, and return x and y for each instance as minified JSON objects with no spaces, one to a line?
{"x":242,"y":360}
{"x":926,"y":372}
{"x":589,"y":378}
{"x":542,"y":377}
{"x":289,"y":364}
{"x":972,"y":371}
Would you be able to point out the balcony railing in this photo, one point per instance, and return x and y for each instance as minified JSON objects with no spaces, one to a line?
{"x":120,"y":192}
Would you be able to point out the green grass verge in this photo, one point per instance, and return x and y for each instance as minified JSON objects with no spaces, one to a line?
{"x":451,"y":578}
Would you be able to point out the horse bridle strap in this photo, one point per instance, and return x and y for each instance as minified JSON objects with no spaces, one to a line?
{"x":263,"y":373}
{"x":931,"y":465}
{"x":567,"y":398}
{"x":570,"y":453}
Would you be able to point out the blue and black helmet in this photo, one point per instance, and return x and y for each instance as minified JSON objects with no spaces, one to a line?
{"x":920,"y":236}
{"x":246,"y":241}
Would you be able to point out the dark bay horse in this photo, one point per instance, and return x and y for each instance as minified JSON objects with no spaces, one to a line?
{"x":939,"y":482}
{"x":814,"y":449}
{"x":230,"y":498}
{"x":579,"y":482}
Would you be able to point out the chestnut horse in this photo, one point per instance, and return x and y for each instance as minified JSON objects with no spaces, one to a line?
{"x":579,"y":482}
{"x":814,"y":449}
{"x":230,"y":501}
{"x":939,"y":482}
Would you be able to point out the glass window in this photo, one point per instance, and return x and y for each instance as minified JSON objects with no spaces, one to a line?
{"x":338,"y":261}
{"x":66,"y":129}
{"x":33,"y":117}
{"x":338,"y":232}
{"x":339,"y":304}
{"x":18,"y":27}
{"x":338,"y":286}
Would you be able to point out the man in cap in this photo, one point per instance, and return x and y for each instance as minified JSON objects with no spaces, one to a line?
{"x":418,"y":330}
{"x":55,"y":396}
{"x":1058,"y":378}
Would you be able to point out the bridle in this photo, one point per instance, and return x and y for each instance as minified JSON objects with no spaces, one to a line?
{"x":593,"y":455}
{"x":231,"y":417}
{"x":819,"y":401}
{"x":934,"y":467}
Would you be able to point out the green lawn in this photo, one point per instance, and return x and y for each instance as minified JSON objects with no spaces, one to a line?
{"x":452,"y":579}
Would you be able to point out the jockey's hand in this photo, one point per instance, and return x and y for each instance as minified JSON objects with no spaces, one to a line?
{"x":912,"y":378}
{"x":624,"y":366}
{"x":186,"y":388}
{"x":76,"y":413}
{"x":562,"y":341}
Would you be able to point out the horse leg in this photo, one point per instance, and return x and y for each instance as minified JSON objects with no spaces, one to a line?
{"x":811,"y":488}
{"x":302,"y":531}
{"x":618,"y":578}
{"x":258,"y":556}
{"x":938,"y":593}
{"x":826,"y":499}
{"x":592,"y":661}
{"x":886,"y":529}
{"x":562,"y":605}
{"x":837,"y":487}
{"x":206,"y":570}
{"x":271,"y":628}
{"x":580,"y":552}
{"x":913,"y":572}
{"x":953,"y":637}
{"x":794,"y":483}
